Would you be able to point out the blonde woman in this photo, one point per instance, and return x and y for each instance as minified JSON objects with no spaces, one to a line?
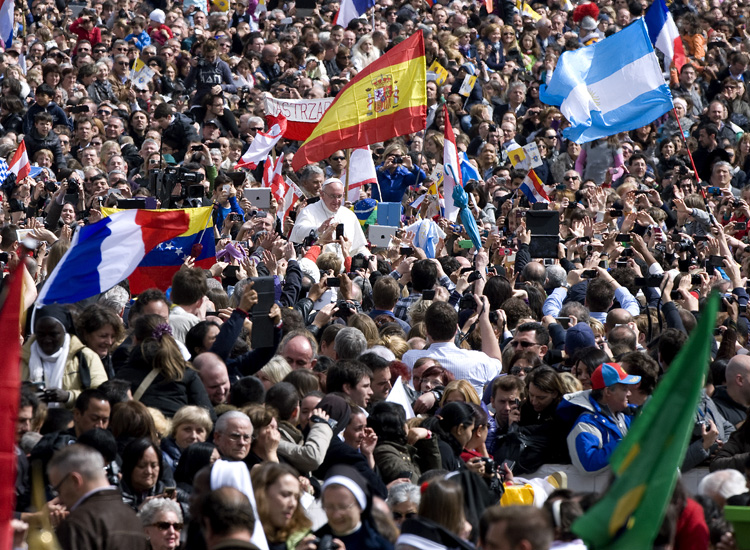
{"x":274,"y":372}
{"x":459,"y":390}
{"x":190,"y":425}
{"x":364,"y":52}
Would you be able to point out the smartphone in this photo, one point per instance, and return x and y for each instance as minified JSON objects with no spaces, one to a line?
{"x":740,"y":226}
{"x":675,"y":295}
{"x":466,"y":270}
{"x":333,"y":282}
{"x":624,"y":237}
{"x":196,"y":148}
{"x":697,"y":281}
{"x":716,"y":261}
{"x":564,"y":322}
{"x":405,"y":250}
{"x":590,"y":274}
{"x":466,"y":243}
{"x":615,"y":213}
{"x":170,"y":492}
{"x":428,"y":294}
{"x":226,"y":187}
{"x":339,"y":230}
{"x":650,"y":281}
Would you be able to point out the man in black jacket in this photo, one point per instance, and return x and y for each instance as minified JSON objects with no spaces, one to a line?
{"x":41,"y":137}
{"x":175,"y":128}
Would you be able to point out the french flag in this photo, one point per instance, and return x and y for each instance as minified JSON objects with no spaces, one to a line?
{"x":533,"y":189}
{"x":664,"y":34}
{"x":104,"y":253}
{"x":263,"y":143}
{"x":351,"y":9}
{"x":451,"y":169}
{"x":362,"y":172}
{"x":6,"y":22}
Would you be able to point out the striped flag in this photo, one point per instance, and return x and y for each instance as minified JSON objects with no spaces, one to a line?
{"x":664,"y":34}
{"x":291,"y":195}
{"x":19,"y":164}
{"x":351,"y":9}
{"x":451,"y":169}
{"x":533,"y":189}
{"x":6,"y":22}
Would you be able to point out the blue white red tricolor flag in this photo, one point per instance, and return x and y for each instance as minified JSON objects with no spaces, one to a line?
{"x":533,"y":189}
{"x":351,"y":9}
{"x":664,"y":34}
{"x":104,"y":253}
{"x":6,"y":22}
{"x":451,"y":169}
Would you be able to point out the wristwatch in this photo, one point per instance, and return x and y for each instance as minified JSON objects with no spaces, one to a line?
{"x":318,"y":420}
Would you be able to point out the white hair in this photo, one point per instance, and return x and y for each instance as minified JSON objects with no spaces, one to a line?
{"x":723,"y":484}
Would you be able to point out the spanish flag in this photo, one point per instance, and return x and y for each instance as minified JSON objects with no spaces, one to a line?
{"x":387,"y":99}
{"x":156,"y":268}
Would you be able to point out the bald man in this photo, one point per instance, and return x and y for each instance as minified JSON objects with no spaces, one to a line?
{"x":299,"y":351}
{"x":213,"y":373}
{"x":733,"y":399}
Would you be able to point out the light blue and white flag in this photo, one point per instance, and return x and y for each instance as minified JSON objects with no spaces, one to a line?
{"x":613,"y":86}
{"x":468,"y":170}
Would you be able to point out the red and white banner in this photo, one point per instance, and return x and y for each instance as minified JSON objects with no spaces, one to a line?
{"x":291,"y":196}
{"x":301,"y":114}
{"x":263,"y":143}
{"x":451,"y":170}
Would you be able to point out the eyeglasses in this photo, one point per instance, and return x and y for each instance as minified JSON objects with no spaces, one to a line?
{"x":103,"y":112}
{"x":553,"y":136}
{"x":338,"y":158}
{"x":123,"y":63}
{"x":516,"y":343}
{"x":165,"y":525}
{"x":336,"y":197}
{"x":56,"y":489}
{"x":237,"y":437}
{"x":408,"y":515}
{"x":334,"y":509}
{"x":567,"y":178}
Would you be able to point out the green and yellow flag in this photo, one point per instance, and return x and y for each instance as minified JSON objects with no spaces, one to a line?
{"x":645,"y":463}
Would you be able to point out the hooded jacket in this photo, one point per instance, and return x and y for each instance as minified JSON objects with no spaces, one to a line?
{"x":596,"y":431}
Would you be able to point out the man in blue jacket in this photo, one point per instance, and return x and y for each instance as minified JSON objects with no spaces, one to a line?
{"x":603,"y":420}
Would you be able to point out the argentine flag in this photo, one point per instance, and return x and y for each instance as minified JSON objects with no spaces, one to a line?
{"x":612,"y":86}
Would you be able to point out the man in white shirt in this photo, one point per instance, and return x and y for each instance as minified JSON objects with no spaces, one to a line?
{"x":323,"y":217}
{"x":476,"y":367}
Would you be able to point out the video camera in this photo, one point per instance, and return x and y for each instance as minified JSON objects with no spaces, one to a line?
{"x":163,"y":181}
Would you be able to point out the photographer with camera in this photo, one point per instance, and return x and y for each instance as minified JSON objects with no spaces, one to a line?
{"x":396,"y":174}
{"x":210,"y":74}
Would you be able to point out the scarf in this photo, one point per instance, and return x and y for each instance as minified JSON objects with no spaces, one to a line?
{"x":49,"y":368}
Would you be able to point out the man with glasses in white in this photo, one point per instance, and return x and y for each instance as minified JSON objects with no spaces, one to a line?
{"x":324,"y":216}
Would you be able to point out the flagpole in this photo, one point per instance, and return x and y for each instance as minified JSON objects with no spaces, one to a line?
{"x":348,"y":170}
{"x":690,"y":156}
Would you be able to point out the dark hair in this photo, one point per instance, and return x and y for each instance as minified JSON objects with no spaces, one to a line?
{"x":547,"y":380}
{"x":387,"y":420}
{"x":497,"y":290}
{"x":671,"y":342}
{"x":424,"y":275}
{"x":192,"y":459}
{"x":195,"y":336}
{"x":245,"y":391}
{"x":226,"y":510}
{"x":101,"y":440}
{"x":346,"y":372}
{"x":592,"y":357}
{"x":640,"y":364}
{"x":116,"y":391}
{"x":131,"y":419}
{"x":163,"y":110}
{"x":133,"y":453}
{"x":29,"y":399}
{"x":456,"y":414}
{"x":57,"y":420}
{"x":188,"y":285}
{"x":95,"y":317}
{"x":599,"y":295}
{"x":521,"y":523}
{"x":146,"y":297}
{"x":541,"y":334}
{"x":86,"y":396}
{"x":284,"y":398}
{"x":441,"y":321}
{"x":304,"y":380}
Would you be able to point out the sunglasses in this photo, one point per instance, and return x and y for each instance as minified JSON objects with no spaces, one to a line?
{"x":165,"y":525}
{"x":409,"y":515}
{"x":568,"y":178}
{"x":338,"y":158}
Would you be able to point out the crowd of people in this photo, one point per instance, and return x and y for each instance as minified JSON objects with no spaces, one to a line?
{"x":408,"y":391}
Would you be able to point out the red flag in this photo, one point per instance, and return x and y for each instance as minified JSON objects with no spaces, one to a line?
{"x":20,"y":164}
{"x":10,"y":386}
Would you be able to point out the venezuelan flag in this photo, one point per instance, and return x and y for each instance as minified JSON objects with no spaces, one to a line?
{"x":158,"y":266}
{"x":387,"y":99}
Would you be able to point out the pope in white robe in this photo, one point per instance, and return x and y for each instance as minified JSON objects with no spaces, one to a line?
{"x":327,"y":212}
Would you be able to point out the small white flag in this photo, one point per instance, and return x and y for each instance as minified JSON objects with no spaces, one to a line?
{"x":398,"y":396}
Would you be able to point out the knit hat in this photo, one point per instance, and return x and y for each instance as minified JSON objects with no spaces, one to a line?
{"x":158,"y":16}
{"x":578,"y":337}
